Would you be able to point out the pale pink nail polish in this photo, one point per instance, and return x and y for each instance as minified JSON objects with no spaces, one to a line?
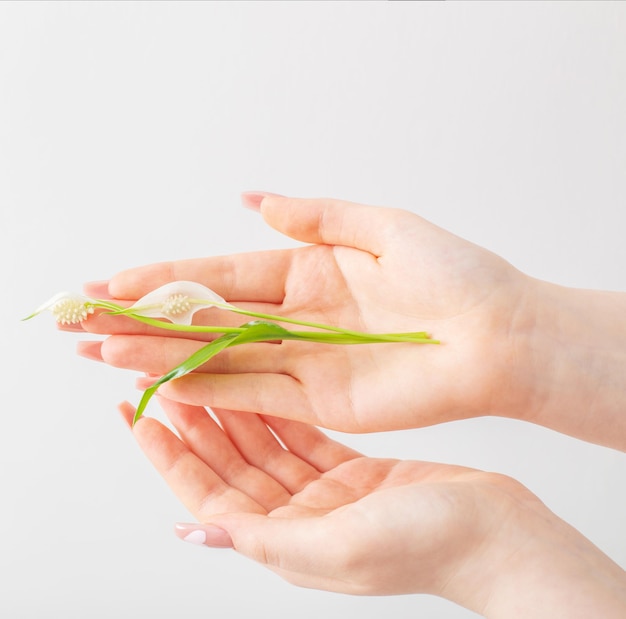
{"x":253,"y":199}
{"x":204,"y":535}
{"x":70,"y":328}
{"x":90,"y":350}
{"x":196,"y":537}
{"x":98,"y":290}
{"x":127,"y":411}
{"x":145,"y":382}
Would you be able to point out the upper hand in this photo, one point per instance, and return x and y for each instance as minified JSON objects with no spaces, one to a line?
{"x":368,"y":269}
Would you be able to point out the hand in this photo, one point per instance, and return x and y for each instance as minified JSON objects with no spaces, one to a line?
{"x":321,"y":515}
{"x":369,"y":269}
{"x":511,"y":345}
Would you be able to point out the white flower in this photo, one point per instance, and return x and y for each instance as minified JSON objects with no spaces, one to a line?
{"x":177,"y":302}
{"x":68,"y":308}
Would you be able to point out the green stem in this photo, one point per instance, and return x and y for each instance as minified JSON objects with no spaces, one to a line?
{"x":293,"y":321}
{"x":359,"y":338}
{"x":309,"y":336}
{"x":238,"y":310}
{"x":170,"y":326}
{"x":337,"y":335}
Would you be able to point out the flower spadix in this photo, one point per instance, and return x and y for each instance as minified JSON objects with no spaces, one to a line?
{"x":68,"y":308}
{"x":177,"y":302}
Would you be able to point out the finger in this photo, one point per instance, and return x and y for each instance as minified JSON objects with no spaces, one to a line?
{"x":277,"y":395}
{"x":199,"y":488}
{"x":260,"y":448}
{"x":310,"y":444}
{"x":199,"y":431}
{"x":127,"y":411}
{"x":97,"y":290}
{"x":104,"y":322}
{"x":306,"y":552}
{"x":255,"y":276}
{"x":158,"y":355}
{"x":333,"y":222}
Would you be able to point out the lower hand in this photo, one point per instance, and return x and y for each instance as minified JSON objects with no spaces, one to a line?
{"x":322,"y":515}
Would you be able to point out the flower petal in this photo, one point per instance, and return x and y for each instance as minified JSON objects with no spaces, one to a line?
{"x":177,"y":301}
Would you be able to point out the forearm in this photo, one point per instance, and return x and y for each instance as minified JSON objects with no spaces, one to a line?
{"x":558,"y":577}
{"x":575,"y":354}
{"x":534,"y":565}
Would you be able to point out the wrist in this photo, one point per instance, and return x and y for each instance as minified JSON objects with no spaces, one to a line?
{"x":556,"y":572}
{"x":533,"y":564}
{"x":570,"y":354}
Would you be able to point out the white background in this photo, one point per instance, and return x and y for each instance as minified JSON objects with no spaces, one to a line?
{"x":127,"y":131}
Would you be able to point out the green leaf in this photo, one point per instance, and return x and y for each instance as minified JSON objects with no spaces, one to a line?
{"x":252,"y":332}
{"x":189,"y":365}
{"x":263,"y":331}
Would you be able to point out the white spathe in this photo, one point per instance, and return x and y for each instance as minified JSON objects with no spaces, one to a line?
{"x":178,"y":302}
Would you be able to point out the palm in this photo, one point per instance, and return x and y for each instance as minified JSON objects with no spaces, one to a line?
{"x":377,"y":515}
{"x":460,"y":293}
{"x":413,"y":277}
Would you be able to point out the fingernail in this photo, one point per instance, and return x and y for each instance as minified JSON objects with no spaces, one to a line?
{"x":90,"y":350}
{"x":127,"y":411}
{"x":253,"y":199}
{"x":71,"y":328}
{"x":99,"y":290}
{"x":204,"y":535}
{"x":145,"y":382}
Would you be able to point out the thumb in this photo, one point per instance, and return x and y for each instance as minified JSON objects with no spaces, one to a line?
{"x":330,"y":222}
{"x":300,"y":550}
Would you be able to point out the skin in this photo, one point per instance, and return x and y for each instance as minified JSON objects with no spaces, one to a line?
{"x":321,"y":515}
{"x":376,"y":269}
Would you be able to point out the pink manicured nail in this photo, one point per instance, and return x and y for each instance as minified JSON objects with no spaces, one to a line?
{"x":145,"y":382}
{"x":90,"y":350}
{"x":204,"y":535}
{"x":71,"y":328}
{"x":99,"y":290}
{"x":127,"y":411}
{"x":253,"y":199}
